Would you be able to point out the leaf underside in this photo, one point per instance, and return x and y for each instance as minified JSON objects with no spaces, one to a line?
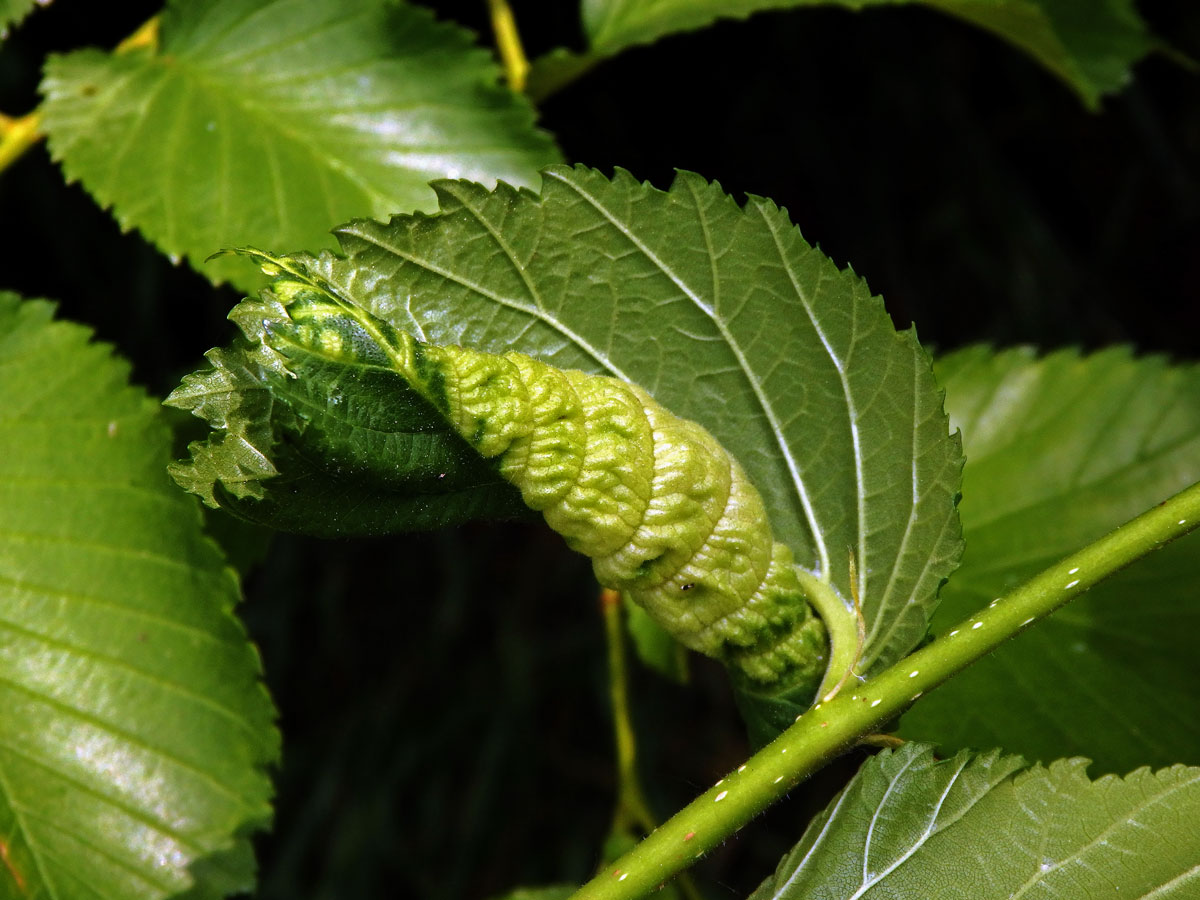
{"x":976,"y":828}
{"x":344,"y":448}
{"x":265,"y":121}
{"x":727,"y":317}
{"x":135,"y":729}
{"x":1061,"y":450}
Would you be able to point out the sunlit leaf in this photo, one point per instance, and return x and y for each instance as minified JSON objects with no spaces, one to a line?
{"x":268,"y":121}
{"x":135,"y":730}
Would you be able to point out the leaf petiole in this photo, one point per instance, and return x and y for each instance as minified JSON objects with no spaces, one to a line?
{"x":843,"y":625}
{"x":632,"y":814}
{"x":18,"y":134}
{"x":632,"y":811}
{"x":146,"y":35}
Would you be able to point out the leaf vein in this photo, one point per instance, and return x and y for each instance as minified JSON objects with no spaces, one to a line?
{"x":113,"y":662}
{"x":556,"y":324}
{"x":111,"y":729}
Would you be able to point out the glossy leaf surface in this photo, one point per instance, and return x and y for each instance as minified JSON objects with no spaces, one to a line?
{"x":968,"y":827}
{"x":135,"y":730}
{"x":1061,"y":450}
{"x":268,"y":121}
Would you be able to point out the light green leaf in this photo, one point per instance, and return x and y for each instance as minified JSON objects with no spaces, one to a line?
{"x":266,"y":121}
{"x":909,"y":826}
{"x":1061,"y":450}
{"x":1089,"y":44}
{"x":12,"y":12}
{"x":135,"y":729}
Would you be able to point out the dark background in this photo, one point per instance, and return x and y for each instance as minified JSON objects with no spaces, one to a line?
{"x":443,"y":696}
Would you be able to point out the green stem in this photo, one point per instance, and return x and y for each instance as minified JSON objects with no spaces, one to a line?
{"x":508,"y":43}
{"x":632,"y":809}
{"x":18,"y":134}
{"x":832,"y":726}
{"x":632,"y":813}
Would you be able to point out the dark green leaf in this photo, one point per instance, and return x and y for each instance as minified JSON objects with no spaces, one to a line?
{"x":267,"y":121}
{"x":908,"y":826}
{"x":346,"y":449}
{"x":135,"y":729}
{"x":1089,"y":44}
{"x":1060,"y":451}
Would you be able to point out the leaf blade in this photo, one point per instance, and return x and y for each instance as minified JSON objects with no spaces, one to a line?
{"x":907,"y":823}
{"x":136,"y":730}
{"x":343,"y":448}
{"x":12,"y":12}
{"x":263,"y":124}
{"x":724,"y":313}
{"x":1063,"y":449}
{"x":1090,"y":46}
{"x":727,"y":316}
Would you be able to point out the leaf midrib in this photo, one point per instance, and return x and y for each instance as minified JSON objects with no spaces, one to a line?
{"x":763,"y":402}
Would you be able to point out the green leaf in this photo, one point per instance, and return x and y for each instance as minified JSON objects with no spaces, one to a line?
{"x":135,"y":729}
{"x":654,"y":645}
{"x":910,"y":826}
{"x":346,"y":448}
{"x":1061,"y":450}
{"x":266,"y":121}
{"x":1089,"y":44}
{"x":725,"y":314}
{"x":728,"y":317}
{"x":12,"y":12}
